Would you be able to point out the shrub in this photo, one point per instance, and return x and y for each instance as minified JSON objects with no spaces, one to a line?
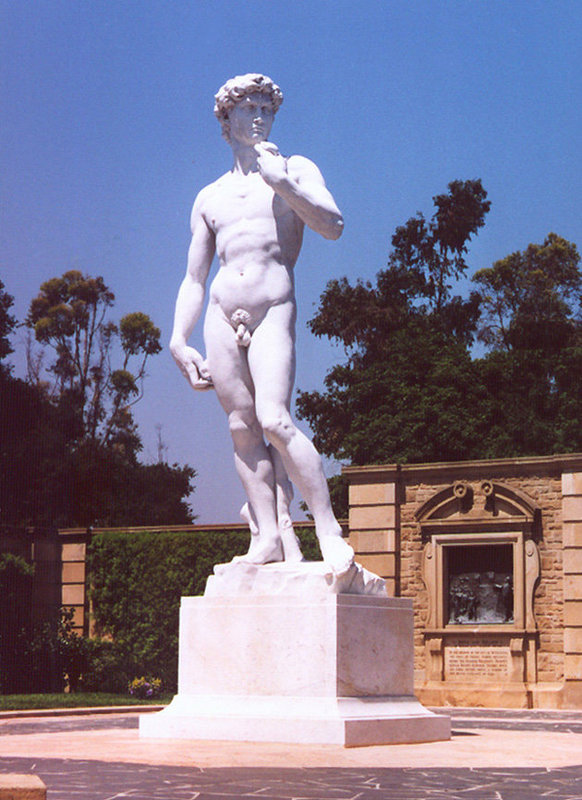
{"x":145,"y":688}
{"x":15,"y":620}
{"x":109,"y":667}
{"x":73,"y":650}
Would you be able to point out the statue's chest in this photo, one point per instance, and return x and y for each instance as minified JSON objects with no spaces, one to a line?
{"x":252,"y":200}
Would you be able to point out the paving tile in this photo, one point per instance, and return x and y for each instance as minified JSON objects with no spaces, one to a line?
{"x":94,"y":780}
{"x":16,"y":727}
{"x":70,"y":779}
{"x":510,"y":713}
{"x":481,"y":724}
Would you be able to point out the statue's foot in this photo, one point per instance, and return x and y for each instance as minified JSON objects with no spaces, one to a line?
{"x":254,"y":551}
{"x":261,"y":552}
{"x":336,"y":553}
{"x":247,"y":515}
{"x":291,"y":546}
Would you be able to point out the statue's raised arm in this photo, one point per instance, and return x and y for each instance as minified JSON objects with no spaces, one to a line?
{"x":300,"y":183}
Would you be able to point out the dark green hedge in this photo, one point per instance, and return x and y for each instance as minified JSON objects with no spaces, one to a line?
{"x":16,"y":577}
{"x":137,"y":580}
{"x":36,"y":652}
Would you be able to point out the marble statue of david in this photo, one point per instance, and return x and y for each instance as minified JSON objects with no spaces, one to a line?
{"x":253,"y":218}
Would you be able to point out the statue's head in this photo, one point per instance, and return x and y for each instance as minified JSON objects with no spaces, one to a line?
{"x":238,"y":87}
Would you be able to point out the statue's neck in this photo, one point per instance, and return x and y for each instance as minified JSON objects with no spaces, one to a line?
{"x":245,"y":158}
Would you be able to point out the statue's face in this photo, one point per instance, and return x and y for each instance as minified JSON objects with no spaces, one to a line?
{"x":251,"y":119}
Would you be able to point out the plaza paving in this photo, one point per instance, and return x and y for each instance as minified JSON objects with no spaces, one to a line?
{"x":493,"y":755}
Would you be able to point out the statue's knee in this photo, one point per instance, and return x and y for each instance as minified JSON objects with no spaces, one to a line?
{"x":243,"y":427}
{"x":277,"y":428}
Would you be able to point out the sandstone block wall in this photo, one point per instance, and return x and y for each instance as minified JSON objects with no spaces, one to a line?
{"x":572,"y":568}
{"x":386,"y":535}
{"x":374,"y":524}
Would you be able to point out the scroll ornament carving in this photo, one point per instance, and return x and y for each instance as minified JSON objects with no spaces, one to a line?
{"x":487,"y":488}
{"x":429,"y":579}
{"x":460,"y":489}
{"x":532,"y":576}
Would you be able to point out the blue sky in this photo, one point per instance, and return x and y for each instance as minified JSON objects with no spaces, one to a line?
{"x":108,"y":133}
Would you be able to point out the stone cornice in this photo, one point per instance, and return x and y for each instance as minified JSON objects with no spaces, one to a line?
{"x":556,"y":464}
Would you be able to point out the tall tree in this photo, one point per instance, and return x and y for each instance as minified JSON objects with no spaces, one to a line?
{"x":36,"y":447}
{"x":49,"y":477}
{"x":68,"y":444}
{"x":7,"y":325}
{"x":532,"y":324}
{"x":411,"y":390}
{"x":69,"y":316}
{"x":531,"y":299}
{"x":434,"y":252}
{"x":407,"y":390}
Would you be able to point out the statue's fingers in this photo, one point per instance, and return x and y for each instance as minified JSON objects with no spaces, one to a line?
{"x":197,"y":362}
{"x":267,"y":147}
{"x":192,"y":372}
{"x":271,"y":148}
{"x":202,"y":384}
{"x":204,"y":371}
{"x":200,"y":363}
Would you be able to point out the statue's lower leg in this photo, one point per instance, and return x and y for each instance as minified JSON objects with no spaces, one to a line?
{"x":303,"y":466}
{"x":256,"y":472}
{"x":284,"y":495}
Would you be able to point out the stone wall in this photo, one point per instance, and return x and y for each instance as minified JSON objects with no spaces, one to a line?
{"x":411,"y":583}
{"x":386,"y":534}
{"x":572,"y":540}
{"x":374,"y":524}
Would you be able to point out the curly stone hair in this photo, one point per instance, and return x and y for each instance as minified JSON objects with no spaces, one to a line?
{"x":238,"y":87}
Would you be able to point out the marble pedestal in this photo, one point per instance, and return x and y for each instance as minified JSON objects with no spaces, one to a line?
{"x":325,"y":668}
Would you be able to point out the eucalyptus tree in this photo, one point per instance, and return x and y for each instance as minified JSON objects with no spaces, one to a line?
{"x":96,"y":366}
{"x":408,"y":390}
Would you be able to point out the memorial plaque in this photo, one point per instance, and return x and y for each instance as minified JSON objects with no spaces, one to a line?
{"x":480,"y":584}
{"x":487,"y":661}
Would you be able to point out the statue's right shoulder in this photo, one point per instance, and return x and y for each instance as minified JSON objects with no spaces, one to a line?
{"x":206,"y":200}
{"x":210,"y":191}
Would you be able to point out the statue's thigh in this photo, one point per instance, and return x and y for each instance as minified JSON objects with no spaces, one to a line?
{"x":272,"y":358}
{"x":228,"y":365}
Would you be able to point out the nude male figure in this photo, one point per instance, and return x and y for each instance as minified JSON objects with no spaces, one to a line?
{"x":253,"y":218}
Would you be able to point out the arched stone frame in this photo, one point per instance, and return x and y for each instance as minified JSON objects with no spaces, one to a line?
{"x":486,"y":513}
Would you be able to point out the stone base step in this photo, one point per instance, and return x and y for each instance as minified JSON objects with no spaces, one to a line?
{"x":14,"y":786}
{"x":346,"y":721}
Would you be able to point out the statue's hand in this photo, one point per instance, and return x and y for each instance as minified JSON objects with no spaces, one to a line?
{"x":192,"y":366}
{"x":272,"y":166}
